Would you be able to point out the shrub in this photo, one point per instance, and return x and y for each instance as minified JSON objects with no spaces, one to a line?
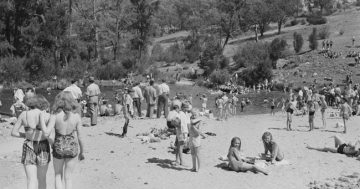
{"x":324,"y":33}
{"x":112,"y":70}
{"x":276,"y":50}
{"x":313,"y":43}
{"x":175,"y":53}
{"x":209,"y":61}
{"x":357,"y":3}
{"x":157,"y":52}
{"x":12,"y":70}
{"x":192,"y":48}
{"x":294,"y":22}
{"x":128,"y":63}
{"x":342,"y":31}
{"x":251,"y":54}
{"x":316,"y":19}
{"x":302,"y":22}
{"x":255,"y":75}
{"x":298,"y":42}
{"x":220,"y":77}
{"x":75,"y":68}
{"x":278,"y":87}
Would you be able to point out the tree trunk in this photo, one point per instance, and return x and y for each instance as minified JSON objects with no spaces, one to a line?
{"x":96,"y":43}
{"x":279,"y":27}
{"x":70,"y":13}
{"x":262,"y":30}
{"x":256,"y":33}
{"x":226,"y":40}
{"x":8,"y":28}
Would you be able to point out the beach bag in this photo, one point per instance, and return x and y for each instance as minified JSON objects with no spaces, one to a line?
{"x":65,"y":146}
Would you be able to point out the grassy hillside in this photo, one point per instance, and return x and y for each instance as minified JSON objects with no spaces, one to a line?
{"x":306,"y":63}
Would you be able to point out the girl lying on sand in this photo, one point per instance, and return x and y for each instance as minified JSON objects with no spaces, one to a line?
{"x":341,"y":147}
{"x":240,"y":164}
{"x":272,"y":147}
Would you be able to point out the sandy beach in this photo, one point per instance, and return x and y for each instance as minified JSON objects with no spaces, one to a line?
{"x":114,"y":162}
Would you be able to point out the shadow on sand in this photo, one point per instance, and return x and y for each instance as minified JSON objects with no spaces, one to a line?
{"x":165,"y":163}
{"x":114,"y":134}
{"x":330,"y":131}
{"x":223,"y":166}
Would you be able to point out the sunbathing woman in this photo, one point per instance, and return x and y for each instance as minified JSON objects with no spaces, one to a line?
{"x":237,"y":163}
{"x":341,"y":147}
{"x":272,"y":147}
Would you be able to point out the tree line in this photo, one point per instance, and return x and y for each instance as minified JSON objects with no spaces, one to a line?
{"x":109,"y":38}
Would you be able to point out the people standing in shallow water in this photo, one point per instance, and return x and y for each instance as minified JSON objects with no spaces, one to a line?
{"x":36,"y":148}
{"x":271,"y":147}
{"x":239,"y":164}
{"x":68,"y":145}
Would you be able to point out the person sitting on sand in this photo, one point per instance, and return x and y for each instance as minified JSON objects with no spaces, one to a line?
{"x":239,"y":164}
{"x":341,"y":147}
{"x":272,"y":147}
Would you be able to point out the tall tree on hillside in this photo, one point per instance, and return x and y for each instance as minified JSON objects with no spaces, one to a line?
{"x":262,"y":14}
{"x":117,"y":23}
{"x":229,"y":15}
{"x":143,"y":11}
{"x":282,"y":9}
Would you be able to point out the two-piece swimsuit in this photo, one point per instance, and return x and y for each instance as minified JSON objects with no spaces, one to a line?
{"x":35,"y":152}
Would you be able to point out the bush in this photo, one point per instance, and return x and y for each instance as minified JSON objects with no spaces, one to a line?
{"x":209,"y":61}
{"x":251,"y":54}
{"x":357,"y":3}
{"x":313,"y":43}
{"x":12,"y":70}
{"x":255,"y":75}
{"x":112,"y":70}
{"x":76,"y":68}
{"x":341,"y":32}
{"x":276,"y":50}
{"x":298,"y":42}
{"x":294,"y":22}
{"x":192,"y":48}
{"x":324,"y":33}
{"x":316,"y":19}
{"x":157,"y":52}
{"x":302,"y":22}
{"x":220,"y":77}
{"x":128,"y":63}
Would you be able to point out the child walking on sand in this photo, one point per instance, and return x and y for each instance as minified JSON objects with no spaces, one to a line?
{"x":127,"y":109}
{"x":195,"y":134}
{"x":345,"y":112}
{"x":272,"y":147}
{"x":238,"y":163}
{"x":312,"y":109}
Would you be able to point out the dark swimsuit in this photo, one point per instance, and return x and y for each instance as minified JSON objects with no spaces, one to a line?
{"x":35,"y":152}
{"x":340,"y":149}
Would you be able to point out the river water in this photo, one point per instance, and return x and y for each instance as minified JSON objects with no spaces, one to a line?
{"x":258,"y":106}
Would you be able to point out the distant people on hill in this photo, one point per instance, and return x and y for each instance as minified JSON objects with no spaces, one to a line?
{"x":353,"y":40}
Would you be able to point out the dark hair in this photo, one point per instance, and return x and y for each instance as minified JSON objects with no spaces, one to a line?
{"x":233,"y":141}
{"x":35,"y":101}
{"x":266,"y":134}
{"x":73,"y":81}
{"x":30,"y":89}
{"x":151,"y":82}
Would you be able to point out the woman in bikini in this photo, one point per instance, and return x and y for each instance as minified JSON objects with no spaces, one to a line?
{"x":68,"y":146}
{"x":36,"y":149}
{"x":341,"y":147}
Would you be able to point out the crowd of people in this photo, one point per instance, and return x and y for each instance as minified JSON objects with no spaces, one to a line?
{"x":60,"y":127}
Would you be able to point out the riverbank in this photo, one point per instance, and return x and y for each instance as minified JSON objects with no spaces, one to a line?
{"x":113,"y":162}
